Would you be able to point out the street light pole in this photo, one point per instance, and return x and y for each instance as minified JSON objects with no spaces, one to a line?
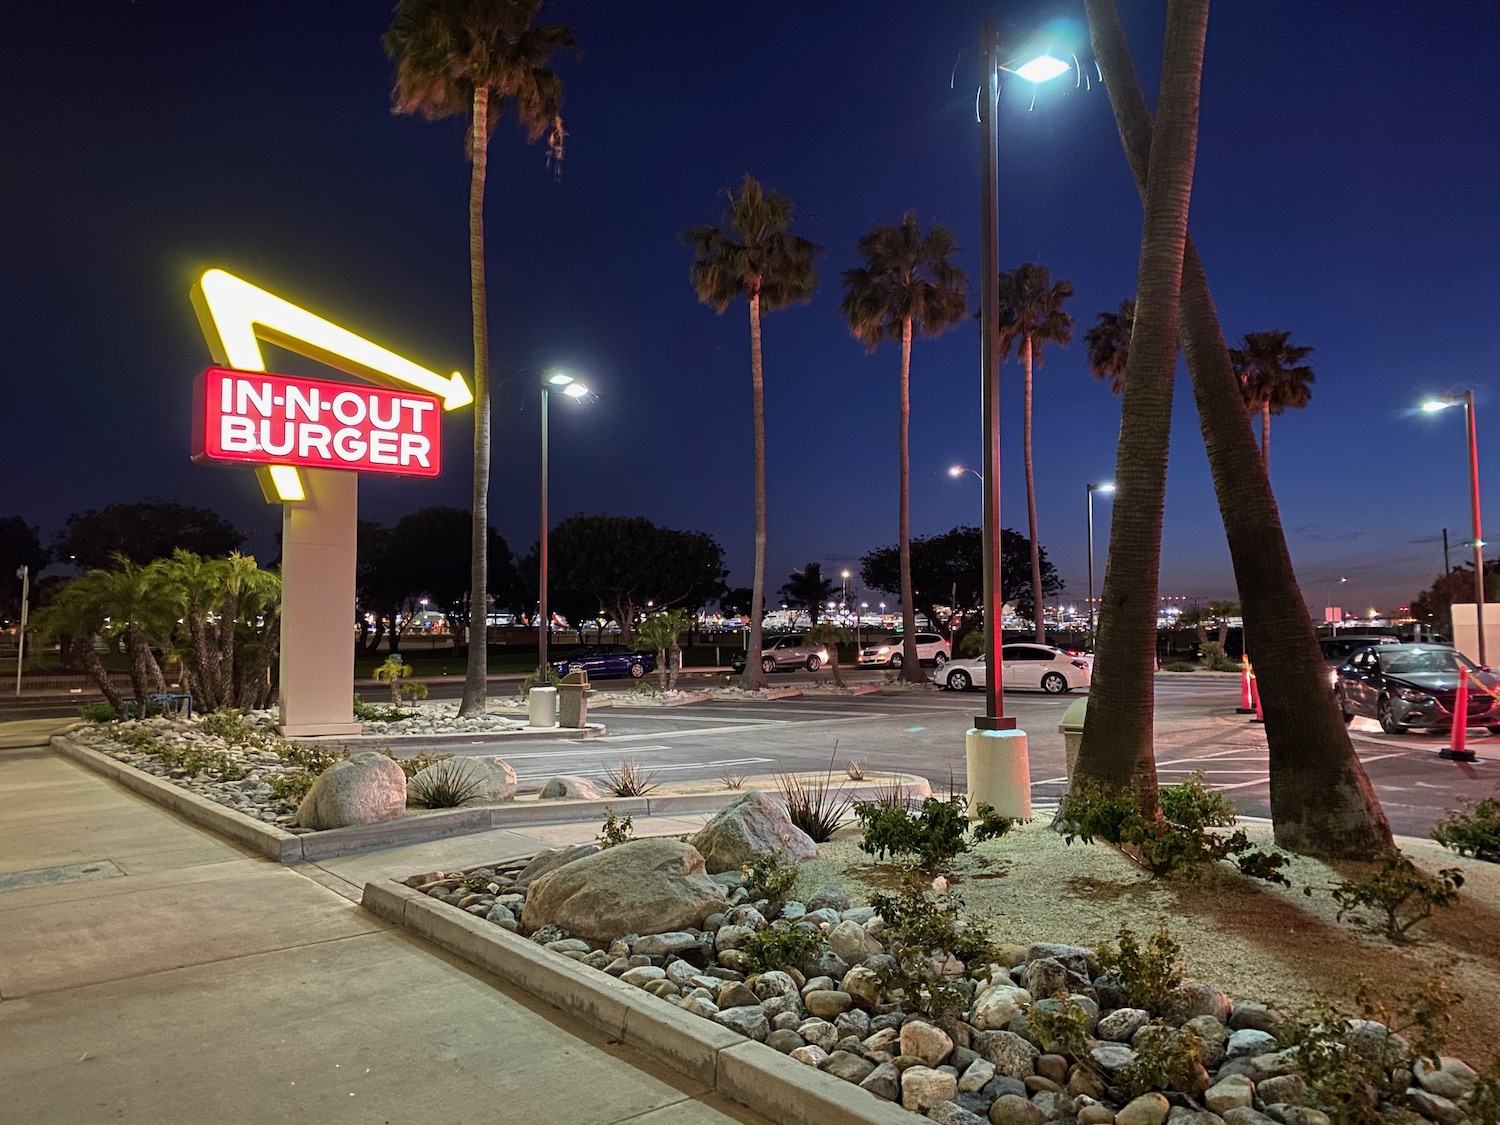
{"x":24,"y":574}
{"x":1106,"y":486}
{"x":1431,"y":406}
{"x":573,"y":389}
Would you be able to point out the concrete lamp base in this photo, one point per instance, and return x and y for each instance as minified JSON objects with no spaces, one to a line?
{"x":999,"y":771}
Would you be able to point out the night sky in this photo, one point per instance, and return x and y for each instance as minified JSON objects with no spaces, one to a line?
{"x":1347,"y":187}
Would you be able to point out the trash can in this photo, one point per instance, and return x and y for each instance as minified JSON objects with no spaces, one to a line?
{"x":542,"y":705}
{"x":1071,"y":728}
{"x":572,"y":699}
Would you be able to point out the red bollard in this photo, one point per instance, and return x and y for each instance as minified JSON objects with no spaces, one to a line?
{"x":1457,"y":751}
{"x":1245,"y":707}
{"x":1255,"y":697}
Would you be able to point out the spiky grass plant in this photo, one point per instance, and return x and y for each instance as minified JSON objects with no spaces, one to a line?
{"x":447,"y":784}
{"x":629,"y":779}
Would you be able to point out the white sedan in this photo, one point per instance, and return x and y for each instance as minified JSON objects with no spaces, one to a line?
{"x":1035,"y":667}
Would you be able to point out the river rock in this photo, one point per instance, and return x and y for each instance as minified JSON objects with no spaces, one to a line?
{"x":829,"y":897}
{"x":862,"y":983}
{"x":922,"y":1087}
{"x":1148,"y":1109}
{"x":951,"y":1113}
{"x":998,"y":1005}
{"x":749,"y":1021}
{"x":1121,"y":1025}
{"x":1433,"y":1106}
{"x":1256,"y":1016}
{"x":1249,"y":1042}
{"x":930,"y":1044}
{"x":1012,"y":1055}
{"x":827,"y":1003}
{"x":811,"y":1055}
{"x":1287,"y":1089}
{"x":752,"y":823}
{"x":976,"y":1076}
{"x":1192,"y":998}
{"x":1012,"y":1109}
{"x":852,"y":943}
{"x":363,"y":789}
{"x":884,"y":1082}
{"x":645,"y":885}
{"x":848,"y":1066}
{"x":783,"y":1040}
{"x":1233,"y":1092}
{"x":1452,"y":1078}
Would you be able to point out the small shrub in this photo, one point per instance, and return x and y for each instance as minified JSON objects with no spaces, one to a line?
{"x":615,"y":831}
{"x":733,"y":779}
{"x":449,"y":784}
{"x":1061,"y":1027}
{"x":855,"y":769}
{"x":1179,"y":666}
{"x":817,"y":805}
{"x":1179,"y":841}
{"x":930,"y":837}
{"x":1148,"y":974}
{"x":923,"y":931}
{"x":229,"y":724}
{"x":629,"y":779}
{"x":314,"y":759}
{"x":1400,"y":892}
{"x":538,"y":679}
{"x":1166,"y":1058}
{"x":376,"y":713}
{"x":1474,"y":831}
{"x":768,"y":876}
{"x":785,"y":948}
{"x":291,"y":787}
{"x":98,"y":712}
{"x":1484,"y":1102}
{"x":1215,"y":660}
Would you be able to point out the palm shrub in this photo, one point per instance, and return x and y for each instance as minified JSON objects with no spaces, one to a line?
{"x":830,"y":635}
{"x":660,"y":633}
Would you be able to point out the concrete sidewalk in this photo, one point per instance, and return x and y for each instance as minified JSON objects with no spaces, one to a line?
{"x":161,"y":975}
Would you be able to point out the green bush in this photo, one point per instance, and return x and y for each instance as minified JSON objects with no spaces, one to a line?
{"x":615,"y":832}
{"x":1166,"y":1058}
{"x":1475,"y":831}
{"x":932,"y":836}
{"x":923,"y":930}
{"x":1061,"y":1027}
{"x":227,"y":723}
{"x":1400,"y":892}
{"x":417,"y":762}
{"x":1179,"y":842}
{"x":99,"y":712}
{"x":769,"y":876}
{"x":314,"y":759}
{"x":778,"y":947}
{"x":1148,"y":974}
{"x":1215,"y":660}
{"x":379,"y":713}
{"x":291,"y":786}
{"x":1179,"y":666}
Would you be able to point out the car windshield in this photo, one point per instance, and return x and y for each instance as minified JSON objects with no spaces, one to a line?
{"x":1419,"y":660}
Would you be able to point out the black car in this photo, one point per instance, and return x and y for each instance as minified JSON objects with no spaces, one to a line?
{"x":1405,"y":686}
{"x":600,"y":661}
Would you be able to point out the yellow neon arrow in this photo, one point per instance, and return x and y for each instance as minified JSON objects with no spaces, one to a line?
{"x":236,"y":316}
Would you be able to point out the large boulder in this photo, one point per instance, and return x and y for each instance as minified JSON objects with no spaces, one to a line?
{"x":749,"y":824}
{"x":550,"y":859}
{"x":362,"y":789}
{"x":570,"y":787}
{"x":643,"y":887}
{"x":493,"y":778}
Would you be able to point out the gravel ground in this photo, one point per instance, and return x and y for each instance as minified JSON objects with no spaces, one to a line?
{"x":1253,"y":940}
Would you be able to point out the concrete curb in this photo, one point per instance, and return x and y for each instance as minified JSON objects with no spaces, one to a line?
{"x":591,"y":730}
{"x":750,"y":1073}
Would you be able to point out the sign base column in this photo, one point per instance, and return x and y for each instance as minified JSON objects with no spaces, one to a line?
{"x":318,"y":539}
{"x":999,"y":771}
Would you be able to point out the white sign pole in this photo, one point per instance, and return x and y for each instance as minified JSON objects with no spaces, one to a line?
{"x":25,"y":575}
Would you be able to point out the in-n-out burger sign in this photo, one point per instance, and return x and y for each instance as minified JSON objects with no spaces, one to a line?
{"x":251,"y":417}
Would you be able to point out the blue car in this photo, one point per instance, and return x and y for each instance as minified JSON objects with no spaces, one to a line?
{"x":601,"y":661}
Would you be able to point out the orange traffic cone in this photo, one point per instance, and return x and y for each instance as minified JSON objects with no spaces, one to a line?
{"x":1255,"y":698}
{"x":1245,"y":707}
{"x":1456,"y":750}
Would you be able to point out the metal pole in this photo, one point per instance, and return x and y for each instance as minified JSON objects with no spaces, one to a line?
{"x":989,"y":317}
{"x":1478,"y":538}
{"x":544,"y":614}
{"x":1091,"y":567}
{"x":21,"y":635}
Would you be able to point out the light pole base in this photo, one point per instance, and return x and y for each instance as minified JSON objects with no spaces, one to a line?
{"x":1449,"y":754}
{"x":999,"y":771}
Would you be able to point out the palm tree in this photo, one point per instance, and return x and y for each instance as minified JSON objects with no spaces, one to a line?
{"x":908,"y":283}
{"x":141,"y":616}
{"x":1272,"y":377}
{"x":754,"y":255}
{"x":1109,"y":345}
{"x":1031,"y":314}
{"x":477,"y":57}
{"x":808,"y":589}
{"x":77,"y":617}
{"x":1321,"y":799}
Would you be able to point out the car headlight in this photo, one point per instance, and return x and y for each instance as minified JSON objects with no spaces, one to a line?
{"x":1413,"y":696}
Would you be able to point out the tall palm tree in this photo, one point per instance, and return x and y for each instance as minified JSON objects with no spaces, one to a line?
{"x":1272,"y":377}
{"x":1031,"y":314}
{"x":1109,"y":345}
{"x":477,"y":57}
{"x":1321,"y":799}
{"x":753,"y":254}
{"x":909,"y":283}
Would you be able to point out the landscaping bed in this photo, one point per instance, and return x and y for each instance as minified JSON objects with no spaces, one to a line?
{"x":1064,"y":1017}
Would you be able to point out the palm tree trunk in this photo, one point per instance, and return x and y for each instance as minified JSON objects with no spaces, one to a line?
{"x":223,"y":659}
{"x":83,"y":648}
{"x":911,"y":667}
{"x":752,"y":678}
{"x":1117,"y":736}
{"x":257,"y":687}
{"x":1036,"y":549}
{"x":1265,"y":437}
{"x":477,"y":669}
{"x":140,"y":678}
{"x":1321,"y":799}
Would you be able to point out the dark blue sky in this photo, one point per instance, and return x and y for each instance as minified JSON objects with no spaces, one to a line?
{"x":1347,"y":190}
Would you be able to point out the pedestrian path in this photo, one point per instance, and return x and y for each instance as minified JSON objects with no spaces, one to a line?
{"x":151,"y":972}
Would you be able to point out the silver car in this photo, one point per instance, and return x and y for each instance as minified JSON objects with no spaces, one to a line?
{"x":785,"y":653}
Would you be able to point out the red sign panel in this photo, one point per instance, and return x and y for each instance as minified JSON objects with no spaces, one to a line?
{"x":254,"y":418}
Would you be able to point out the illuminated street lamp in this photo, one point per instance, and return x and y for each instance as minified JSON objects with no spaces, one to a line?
{"x":1038,"y":69}
{"x":1103,"y":486}
{"x":1432,"y":406}
{"x":553,"y":381}
{"x":959,"y":470}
